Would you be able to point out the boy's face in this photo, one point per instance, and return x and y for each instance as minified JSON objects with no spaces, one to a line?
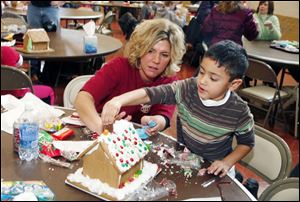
{"x":213,"y":81}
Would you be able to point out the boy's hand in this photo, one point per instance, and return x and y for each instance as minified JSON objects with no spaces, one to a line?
{"x":160,"y":124}
{"x":110,"y":112}
{"x":218,"y":168}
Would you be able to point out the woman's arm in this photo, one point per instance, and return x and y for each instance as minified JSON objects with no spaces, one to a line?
{"x":88,"y":114}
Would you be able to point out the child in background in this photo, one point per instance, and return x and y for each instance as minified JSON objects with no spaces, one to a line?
{"x":210,"y":113}
{"x":10,"y":57}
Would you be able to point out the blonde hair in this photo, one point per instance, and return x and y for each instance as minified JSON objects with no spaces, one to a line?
{"x":150,"y":32}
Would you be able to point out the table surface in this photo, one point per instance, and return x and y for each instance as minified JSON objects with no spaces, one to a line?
{"x":13,"y":169}
{"x":71,"y":13}
{"x":113,"y":4}
{"x":64,"y":13}
{"x":68,"y":45}
{"x":261,"y":50}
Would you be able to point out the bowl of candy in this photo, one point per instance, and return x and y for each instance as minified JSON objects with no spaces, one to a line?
{"x":51,"y":124}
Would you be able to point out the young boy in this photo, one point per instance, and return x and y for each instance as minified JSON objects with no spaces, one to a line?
{"x":210,"y":113}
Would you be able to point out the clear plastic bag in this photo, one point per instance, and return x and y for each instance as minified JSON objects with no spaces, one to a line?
{"x":153,"y":191}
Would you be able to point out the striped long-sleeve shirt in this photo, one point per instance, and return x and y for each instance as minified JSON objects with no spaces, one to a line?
{"x":206,"y":131}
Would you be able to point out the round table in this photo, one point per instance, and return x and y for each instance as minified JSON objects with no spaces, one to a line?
{"x":64,"y":13}
{"x":68,"y":45}
{"x":77,"y":14}
{"x":261,"y":50}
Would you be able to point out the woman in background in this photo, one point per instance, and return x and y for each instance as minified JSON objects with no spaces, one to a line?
{"x":229,"y":20}
{"x":268,"y":24}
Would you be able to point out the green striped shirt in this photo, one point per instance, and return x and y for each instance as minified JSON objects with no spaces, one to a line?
{"x":206,"y":131}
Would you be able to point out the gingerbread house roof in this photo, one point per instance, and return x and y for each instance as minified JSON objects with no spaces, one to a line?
{"x":38,"y":35}
{"x":123,"y":145}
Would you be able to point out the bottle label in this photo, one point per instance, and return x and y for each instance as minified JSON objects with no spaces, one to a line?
{"x":29,"y":135}
{"x":16,"y":138}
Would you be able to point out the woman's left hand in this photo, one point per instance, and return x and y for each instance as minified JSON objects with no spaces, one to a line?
{"x":160,"y":123}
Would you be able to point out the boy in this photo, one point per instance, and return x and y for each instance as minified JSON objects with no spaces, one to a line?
{"x":210,"y":113}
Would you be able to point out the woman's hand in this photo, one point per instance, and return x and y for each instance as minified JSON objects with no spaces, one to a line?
{"x":160,"y":123}
{"x":110,"y":112}
{"x":268,"y":24}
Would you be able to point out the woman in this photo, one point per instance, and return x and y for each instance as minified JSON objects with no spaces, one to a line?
{"x":151,"y":57}
{"x":268,"y":24}
{"x":229,"y":20}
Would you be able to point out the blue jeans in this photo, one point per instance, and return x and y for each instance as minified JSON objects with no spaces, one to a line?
{"x":36,"y":16}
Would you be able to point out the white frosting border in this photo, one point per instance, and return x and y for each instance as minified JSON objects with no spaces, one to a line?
{"x":96,"y":186}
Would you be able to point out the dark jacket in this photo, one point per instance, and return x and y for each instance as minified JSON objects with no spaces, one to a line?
{"x":218,"y":26}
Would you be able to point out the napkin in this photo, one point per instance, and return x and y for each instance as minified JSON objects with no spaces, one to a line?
{"x":89,"y":28}
{"x":15,"y":107}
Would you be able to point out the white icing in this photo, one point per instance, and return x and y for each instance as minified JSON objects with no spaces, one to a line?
{"x":125,"y":145}
{"x":98,"y":187}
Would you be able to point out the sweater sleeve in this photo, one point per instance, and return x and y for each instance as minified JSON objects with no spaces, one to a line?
{"x":244,"y":132}
{"x":163,"y":94}
{"x":275,"y":32}
{"x":251,"y":30}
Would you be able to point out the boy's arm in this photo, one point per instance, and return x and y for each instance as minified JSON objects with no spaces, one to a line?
{"x":223,"y":166}
{"x":112,"y":108}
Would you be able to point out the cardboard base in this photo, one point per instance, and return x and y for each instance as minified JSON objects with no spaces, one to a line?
{"x":86,"y":190}
{"x":38,"y":51}
{"x":106,"y":196}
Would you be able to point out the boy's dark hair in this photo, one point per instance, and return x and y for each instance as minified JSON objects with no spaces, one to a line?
{"x":230,"y":55}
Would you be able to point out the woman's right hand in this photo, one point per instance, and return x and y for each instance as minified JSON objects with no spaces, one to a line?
{"x":110,"y":111}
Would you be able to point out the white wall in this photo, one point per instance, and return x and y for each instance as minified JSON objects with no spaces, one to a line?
{"x":285,"y":8}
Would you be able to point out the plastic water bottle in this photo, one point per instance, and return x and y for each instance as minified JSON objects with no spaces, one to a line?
{"x":29,"y":130}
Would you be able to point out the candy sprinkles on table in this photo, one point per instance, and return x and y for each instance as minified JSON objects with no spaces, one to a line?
{"x":185,"y":159}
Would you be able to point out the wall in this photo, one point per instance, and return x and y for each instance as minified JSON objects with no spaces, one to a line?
{"x":288,"y":14}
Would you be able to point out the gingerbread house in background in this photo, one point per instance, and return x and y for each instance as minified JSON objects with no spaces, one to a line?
{"x":36,"y":40}
{"x":119,"y":156}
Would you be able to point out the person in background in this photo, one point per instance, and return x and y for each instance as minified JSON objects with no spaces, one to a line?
{"x":167,"y":11}
{"x":268,"y":24}
{"x":193,"y":33}
{"x":210,"y":113}
{"x":147,"y":12}
{"x":11,"y":58}
{"x":42,"y":14}
{"x":269,"y":29}
{"x":151,"y":57}
{"x":229,"y":20}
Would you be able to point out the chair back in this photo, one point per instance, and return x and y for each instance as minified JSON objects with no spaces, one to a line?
{"x":261,"y":71}
{"x":282,"y":190}
{"x":73,"y":88}
{"x":270,"y":158}
{"x":105,"y":27}
{"x":264,"y":94}
{"x":13,"y":78}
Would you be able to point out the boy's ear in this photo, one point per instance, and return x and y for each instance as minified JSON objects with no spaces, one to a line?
{"x":235,"y":84}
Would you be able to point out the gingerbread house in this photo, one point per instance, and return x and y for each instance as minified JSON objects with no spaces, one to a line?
{"x":36,"y":40}
{"x":119,"y":156}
